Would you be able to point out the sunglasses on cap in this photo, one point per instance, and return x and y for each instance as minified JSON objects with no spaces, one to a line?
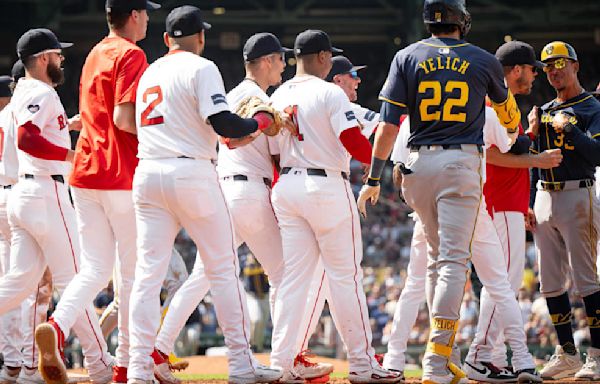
{"x":558,"y":64}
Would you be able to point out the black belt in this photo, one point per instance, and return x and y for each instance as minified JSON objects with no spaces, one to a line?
{"x":313,"y":172}
{"x":58,"y":178}
{"x":266,"y":180}
{"x":553,"y":186}
{"x":7,"y":186}
{"x":416,"y":147}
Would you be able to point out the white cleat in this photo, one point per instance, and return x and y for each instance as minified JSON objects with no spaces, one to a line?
{"x":104,"y":376}
{"x":487,"y":372}
{"x":30,"y":376}
{"x":375,"y":375}
{"x":591,"y":368}
{"x":162,"y":373}
{"x":309,"y":370}
{"x":561,"y":365}
{"x":261,"y":374}
{"x":9,"y":375}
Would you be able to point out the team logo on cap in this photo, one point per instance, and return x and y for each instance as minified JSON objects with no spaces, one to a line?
{"x":177,"y":33}
{"x":33,"y":108}
{"x":550,"y":49}
{"x":438,"y":17}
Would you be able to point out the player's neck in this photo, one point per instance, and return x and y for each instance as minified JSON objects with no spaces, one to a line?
{"x":124,"y":33}
{"x":569,"y":92}
{"x":40,"y":76}
{"x":453,"y":35}
{"x":258,"y":80}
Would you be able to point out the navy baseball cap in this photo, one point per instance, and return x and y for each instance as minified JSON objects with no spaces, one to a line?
{"x":313,"y":41}
{"x":185,"y":21}
{"x":517,"y":53}
{"x":18,"y":70}
{"x":262,"y":44}
{"x":341,"y":65}
{"x":38,"y":40}
{"x":130,"y":5}
{"x":5,"y":82}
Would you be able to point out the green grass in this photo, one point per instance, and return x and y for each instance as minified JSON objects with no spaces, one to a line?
{"x":335,"y":375}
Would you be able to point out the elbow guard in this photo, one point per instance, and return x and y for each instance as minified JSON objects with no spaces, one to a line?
{"x":508,"y":113}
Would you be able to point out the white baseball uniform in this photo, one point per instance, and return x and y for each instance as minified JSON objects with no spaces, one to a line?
{"x":368,"y":119}
{"x":42,"y":220}
{"x":245,"y":176}
{"x":486,"y":256}
{"x":318,"y":218}
{"x":176,"y":185}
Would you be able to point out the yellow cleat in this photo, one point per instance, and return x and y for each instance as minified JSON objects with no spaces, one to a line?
{"x":176,"y":363}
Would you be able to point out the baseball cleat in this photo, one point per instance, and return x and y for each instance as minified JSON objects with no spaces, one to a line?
{"x":163,"y":374}
{"x":375,"y":375}
{"x":8,"y":375}
{"x":261,"y":374}
{"x":104,"y":375}
{"x":561,"y":365}
{"x":591,"y":368}
{"x":50,"y":340}
{"x":119,"y":375}
{"x":176,"y":363}
{"x":488,"y":372}
{"x":528,"y":375}
{"x":30,"y":376}
{"x":319,"y":380}
{"x":309,"y":370}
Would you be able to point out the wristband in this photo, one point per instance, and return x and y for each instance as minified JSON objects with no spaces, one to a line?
{"x":371,"y":182}
{"x":377,"y":166}
{"x":263,"y":119}
{"x":531,"y":135}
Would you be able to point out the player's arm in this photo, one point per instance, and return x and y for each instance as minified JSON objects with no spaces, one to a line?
{"x":502,"y":99}
{"x":230,"y":125}
{"x":31,"y":141}
{"x":545,"y":160}
{"x":356,"y":144}
{"x":124,"y":117}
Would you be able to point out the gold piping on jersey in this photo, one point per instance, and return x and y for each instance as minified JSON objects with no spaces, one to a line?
{"x":596,"y":135}
{"x":563,"y":106}
{"x":445,"y":46}
{"x":392,"y":102}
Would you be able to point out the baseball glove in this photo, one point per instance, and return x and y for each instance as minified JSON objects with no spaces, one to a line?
{"x":252,"y":105}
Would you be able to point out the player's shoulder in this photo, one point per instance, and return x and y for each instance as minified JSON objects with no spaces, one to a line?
{"x":244,"y":89}
{"x":33,"y":89}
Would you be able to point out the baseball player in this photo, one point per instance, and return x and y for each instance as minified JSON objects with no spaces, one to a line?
{"x":42,"y":220}
{"x":506,"y":193}
{"x":105,"y":160}
{"x":317,"y":213}
{"x":442,"y":82}
{"x":18,"y":345}
{"x":245,"y":174}
{"x":180,"y":109}
{"x":566,"y":209}
{"x":345,"y":75}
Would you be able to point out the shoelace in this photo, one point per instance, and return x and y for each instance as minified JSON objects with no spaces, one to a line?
{"x":591,"y":361}
{"x":302,"y":358}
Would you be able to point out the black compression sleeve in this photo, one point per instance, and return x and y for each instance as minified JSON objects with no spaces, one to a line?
{"x":230,"y":125}
{"x":521,"y":145}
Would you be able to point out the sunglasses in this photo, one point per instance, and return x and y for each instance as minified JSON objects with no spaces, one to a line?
{"x":353,"y":74}
{"x":558,"y":64}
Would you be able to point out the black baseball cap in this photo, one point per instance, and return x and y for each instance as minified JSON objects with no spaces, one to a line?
{"x":38,"y":40}
{"x":185,"y":21}
{"x":5,"y":82}
{"x":341,"y":65}
{"x":517,"y":53}
{"x":313,"y":41}
{"x":262,"y":44}
{"x":130,"y":5}
{"x":18,"y":70}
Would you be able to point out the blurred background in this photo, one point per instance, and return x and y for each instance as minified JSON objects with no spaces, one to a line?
{"x":370,"y":32}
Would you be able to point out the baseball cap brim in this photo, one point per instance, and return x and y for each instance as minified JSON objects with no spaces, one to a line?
{"x":286,"y":50}
{"x":336,"y":50}
{"x":538,"y":64}
{"x":206,"y":26}
{"x":152,"y":6}
{"x":65,"y":45}
{"x":358,"y":67}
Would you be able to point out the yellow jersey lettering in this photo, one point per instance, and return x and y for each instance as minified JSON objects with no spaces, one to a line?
{"x":463,"y":67}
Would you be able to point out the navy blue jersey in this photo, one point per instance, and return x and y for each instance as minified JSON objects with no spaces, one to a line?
{"x":443,"y":83}
{"x":584,"y":110}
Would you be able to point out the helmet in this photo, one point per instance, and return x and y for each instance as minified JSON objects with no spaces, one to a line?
{"x":450,"y":12}
{"x":558,"y":49}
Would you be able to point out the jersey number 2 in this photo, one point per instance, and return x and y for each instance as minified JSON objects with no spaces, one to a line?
{"x":434,"y":102}
{"x":145,"y":121}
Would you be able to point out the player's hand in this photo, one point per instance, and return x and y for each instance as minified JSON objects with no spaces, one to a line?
{"x":367,"y":193}
{"x":240,"y":141}
{"x":70,"y":156}
{"x":559,"y":121}
{"x":289,"y":124}
{"x":74,"y":123}
{"x":550,"y":158}
{"x":534,"y":120}
{"x":530,"y":221}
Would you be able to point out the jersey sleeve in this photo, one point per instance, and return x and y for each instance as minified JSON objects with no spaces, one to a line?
{"x":502,"y":99}
{"x":131,"y":68}
{"x":401,"y":151}
{"x":273,"y":144}
{"x":394,"y":92}
{"x":494,"y":134}
{"x":210,"y":92}
{"x":368,"y":119}
{"x":594,"y":125}
{"x":38,"y":109}
{"x":341,"y":115}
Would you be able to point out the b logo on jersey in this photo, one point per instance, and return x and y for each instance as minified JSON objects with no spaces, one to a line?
{"x":62,"y":122}
{"x":350,"y":116}
{"x":218,"y":99}
{"x":33,"y":108}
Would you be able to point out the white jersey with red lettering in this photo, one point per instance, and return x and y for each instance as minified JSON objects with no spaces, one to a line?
{"x":253,"y":159}
{"x":175,"y":98}
{"x":38,"y":103}
{"x":9,"y":163}
{"x":322,"y":112}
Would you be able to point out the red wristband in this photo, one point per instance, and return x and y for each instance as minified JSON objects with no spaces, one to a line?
{"x":263,"y":119}
{"x":531,"y":135}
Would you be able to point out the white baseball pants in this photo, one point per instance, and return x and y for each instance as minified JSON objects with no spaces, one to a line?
{"x":43,"y":228}
{"x":491,"y":269}
{"x":254,"y":223}
{"x":319,"y":220}
{"x":170,"y":194}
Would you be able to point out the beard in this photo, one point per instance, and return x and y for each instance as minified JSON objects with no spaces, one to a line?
{"x":55,"y":73}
